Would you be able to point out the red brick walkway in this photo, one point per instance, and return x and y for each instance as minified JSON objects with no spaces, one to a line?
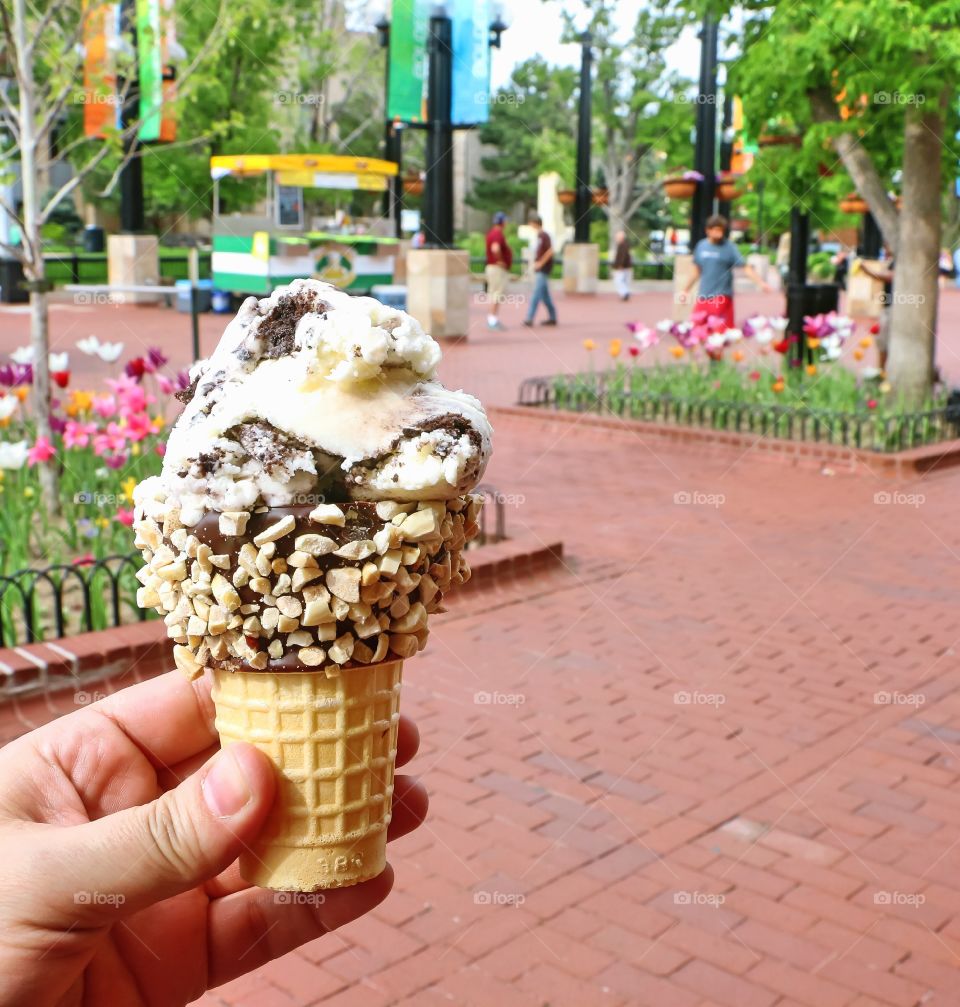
{"x":720,"y":762}
{"x":713,"y":760}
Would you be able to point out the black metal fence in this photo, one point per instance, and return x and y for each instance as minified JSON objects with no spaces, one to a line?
{"x":55,"y":601}
{"x":597,"y":393}
{"x":50,"y":602}
{"x":91,"y":267}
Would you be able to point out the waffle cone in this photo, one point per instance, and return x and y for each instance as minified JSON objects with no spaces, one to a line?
{"x":334,"y":743}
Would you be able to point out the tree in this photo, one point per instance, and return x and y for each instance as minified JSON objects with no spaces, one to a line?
{"x":638,"y":115}
{"x":529,"y":128}
{"x":873,"y":82}
{"x":41,"y":45}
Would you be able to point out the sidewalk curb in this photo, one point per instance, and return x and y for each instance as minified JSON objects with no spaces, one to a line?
{"x":902,"y":465}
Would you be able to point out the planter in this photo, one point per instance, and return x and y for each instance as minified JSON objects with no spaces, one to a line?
{"x":779,"y":140}
{"x":600,"y":196}
{"x":679,"y":188}
{"x":413,"y":185}
{"x":727,"y":189}
{"x":854,"y":204}
{"x":567,"y":197}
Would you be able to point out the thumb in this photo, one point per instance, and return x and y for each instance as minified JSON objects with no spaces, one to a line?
{"x":121,"y":863}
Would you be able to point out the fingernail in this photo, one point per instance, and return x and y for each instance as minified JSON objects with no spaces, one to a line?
{"x":225,"y":788}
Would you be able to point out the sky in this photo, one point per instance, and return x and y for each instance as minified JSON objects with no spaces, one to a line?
{"x":534,"y":19}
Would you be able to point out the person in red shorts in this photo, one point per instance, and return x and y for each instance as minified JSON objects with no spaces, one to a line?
{"x":714,"y":259}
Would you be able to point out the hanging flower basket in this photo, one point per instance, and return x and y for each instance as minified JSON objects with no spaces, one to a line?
{"x":779,"y":140}
{"x":727,"y":190}
{"x":567,"y":197}
{"x":854,"y":204}
{"x":682,"y":186}
{"x":600,"y":196}
{"x":412,"y":185}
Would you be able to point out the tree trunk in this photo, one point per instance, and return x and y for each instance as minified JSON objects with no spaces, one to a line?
{"x":914,"y":312}
{"x":33,"y":251}
{"x":620,"y":180}
{"x":860,"y":167}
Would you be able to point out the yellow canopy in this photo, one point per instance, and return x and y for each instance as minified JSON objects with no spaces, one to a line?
{"x":315,"y":164}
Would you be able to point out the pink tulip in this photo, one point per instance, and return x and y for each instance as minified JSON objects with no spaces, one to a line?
{"x":42,"y":451}
{"x":77,"y":435}
{"x":105,"y":406}
{"x":125,"y":516}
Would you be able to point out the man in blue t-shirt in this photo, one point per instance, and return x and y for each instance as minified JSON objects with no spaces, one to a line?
{"x":714,"y":260}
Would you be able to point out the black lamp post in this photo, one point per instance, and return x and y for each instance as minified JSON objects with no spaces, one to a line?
{"x":392,"y":136}
{"x":726,"y":145}
{"x":438,"y":181}
{"x":584,"y":199}
{"x":131,"y":175}
{"x":705,"y":149}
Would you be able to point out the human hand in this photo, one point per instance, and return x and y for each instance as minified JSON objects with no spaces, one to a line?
{"x":120,"y":827}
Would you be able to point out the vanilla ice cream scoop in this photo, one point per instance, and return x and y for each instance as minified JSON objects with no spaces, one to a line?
{"x":313,"y":392}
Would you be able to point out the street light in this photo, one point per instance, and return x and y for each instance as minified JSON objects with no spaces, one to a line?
{"x":584,"y":199}
{"x":705,"y":150}
{"x":438,"y":181}
{"x":392,"y":136}
{"x":497,"y":27}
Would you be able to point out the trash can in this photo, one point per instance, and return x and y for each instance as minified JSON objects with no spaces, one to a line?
{"x":220,"y":301}
{"x":94,"y":239}
{"x":204,"y":295}
{"x":809,"y":299}
{"x":393,"y":295}
{"x":11,"y":280}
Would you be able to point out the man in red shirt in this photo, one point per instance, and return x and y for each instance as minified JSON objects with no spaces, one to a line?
{"x":542,"y":264}
{"x":499,"y":260}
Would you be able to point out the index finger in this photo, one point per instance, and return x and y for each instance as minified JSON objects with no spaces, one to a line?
{"x":168,"y":718}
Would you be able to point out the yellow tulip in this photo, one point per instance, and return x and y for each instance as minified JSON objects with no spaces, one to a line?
{"x":811,"y":369}
{"x":589,"y":344}
{"x":615,"y":347}
{"x":677,"y":351}
{"x":128,"y":486}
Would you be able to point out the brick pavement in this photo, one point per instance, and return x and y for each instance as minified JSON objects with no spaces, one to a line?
{"x":720,"y":759}
{"x":490,"y":364}
{"x":728,"y":775}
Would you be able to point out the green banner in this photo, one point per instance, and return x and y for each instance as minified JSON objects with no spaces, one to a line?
{"x":151,"y":69}
{"x":406,"y":89}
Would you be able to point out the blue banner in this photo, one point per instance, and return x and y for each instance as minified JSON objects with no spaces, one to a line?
{"x":471,"y":61}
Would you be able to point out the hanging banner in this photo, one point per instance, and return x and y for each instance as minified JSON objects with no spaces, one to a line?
{"x":156,"y":43}
{"x":407,"y":80}
{"x":744,"y":148}
{"x":471,"y":62}
{"x":101,"y":33}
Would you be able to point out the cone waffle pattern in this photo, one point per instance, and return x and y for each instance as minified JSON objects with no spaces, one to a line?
{"x":334,"y":742}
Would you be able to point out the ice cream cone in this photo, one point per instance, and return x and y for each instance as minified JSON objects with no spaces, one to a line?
{"x":310,"y":517}
{"x":334,"y":743}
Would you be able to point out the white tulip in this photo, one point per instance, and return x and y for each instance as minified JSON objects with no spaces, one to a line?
{"x":22,"y":355}
{"x":110,"y":352}
{"x":13,"y":455}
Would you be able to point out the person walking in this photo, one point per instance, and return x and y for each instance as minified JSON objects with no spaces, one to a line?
{"x":714,"y":260}
{"x":499,"y":261}
{"x":622,"y":266}
{"x":882,"y":272}
{"x":542,"y":264}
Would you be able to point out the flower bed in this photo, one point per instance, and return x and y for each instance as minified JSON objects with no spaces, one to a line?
{"x":757,"y":380}
{"x":104,"y":442}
